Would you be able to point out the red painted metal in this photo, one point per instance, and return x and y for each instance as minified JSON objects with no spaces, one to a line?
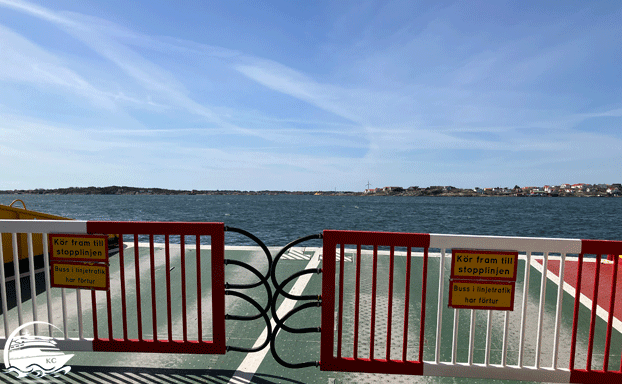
{"x":612,"y":300}
{"x":169,"y":316}
{"x":424,"y":284}
{"x":328,"y":361}
{"x":109,"y":313}
{"x":575,"y":315}
{"x":216,"y":345}
{"x":122,"y":271}
{"x":184,"y":320}
{"x":199,"y":312}
{"x":218,"y":285}
{"x":139,"y":318}
{"x":154,"y":317}
{"x":406,"y":305}
{"x":594,"y":377}
{"x":357,"y":300}
{"x":590,"y":346}
{"x":598,"y":282}
{"x":340,"y":324}
{"x":390,"y":308}
{"x":372,"y":327}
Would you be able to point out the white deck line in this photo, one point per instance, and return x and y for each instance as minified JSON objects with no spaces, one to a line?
{"x":252,"y":361}
{"x":600,"y":311}
{"x":494,"y":371}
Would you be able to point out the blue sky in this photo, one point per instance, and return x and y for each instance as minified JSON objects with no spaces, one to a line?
{"x":309,"y":95}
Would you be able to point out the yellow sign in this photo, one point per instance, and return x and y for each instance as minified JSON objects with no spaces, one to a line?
{"x":79,"y":275}
{"x":79,"y":247}
{"x":481,"y":294}
{"x":485,"y":265}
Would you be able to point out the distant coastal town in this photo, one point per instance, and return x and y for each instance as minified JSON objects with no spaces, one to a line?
{"x":563,"y":190}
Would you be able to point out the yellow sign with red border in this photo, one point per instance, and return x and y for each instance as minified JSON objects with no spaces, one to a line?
{"x":79,"y":247}
{"x":483,"y":279}
{"x":79,"y":261}
{"x":478,"y":294}
{"x":69,"y":274}
{"x":484,"y":265}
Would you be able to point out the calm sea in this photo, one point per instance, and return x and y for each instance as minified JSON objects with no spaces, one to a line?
{"x":278,"y":220}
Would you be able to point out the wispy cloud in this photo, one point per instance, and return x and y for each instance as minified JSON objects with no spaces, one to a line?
{"x":390,"y":96}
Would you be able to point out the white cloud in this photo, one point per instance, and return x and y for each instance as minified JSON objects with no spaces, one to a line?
{"x":23,"y":61}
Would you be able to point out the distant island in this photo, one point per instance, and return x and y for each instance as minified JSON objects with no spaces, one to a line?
{"x":587,"y":190}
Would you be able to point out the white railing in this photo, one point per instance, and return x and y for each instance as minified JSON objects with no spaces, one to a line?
{"x":549,"y":336}
{"x":527,"y":247}
{"x":29,"y":227}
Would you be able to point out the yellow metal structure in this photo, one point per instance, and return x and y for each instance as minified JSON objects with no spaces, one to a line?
{"x":10,"y":212}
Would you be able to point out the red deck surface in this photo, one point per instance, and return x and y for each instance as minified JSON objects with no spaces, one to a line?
{"x":588,"y":277}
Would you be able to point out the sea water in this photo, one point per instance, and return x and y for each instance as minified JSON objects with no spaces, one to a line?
{"x":279,"y":219}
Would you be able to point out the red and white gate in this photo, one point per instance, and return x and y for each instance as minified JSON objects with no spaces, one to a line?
{"x":145,"y":309}
{"x":385,"y":312}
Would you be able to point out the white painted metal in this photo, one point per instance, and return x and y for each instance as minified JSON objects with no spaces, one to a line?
{"x":471,"y":336}
{"x":18,"y":286}
{"x":64,"y":308}
{"x":31,"y":275}
{"x":533,"y":244}
{"x":48,"y":288}
{"x":488,"y":338}
{"x":439,"y":317}
{"x":505,"y":338}
{"x":499,"y":372}
{"x":455,"y":338}
{"x":79,"y":305}
{"x":445,"y":242}
{"x":586,"y":301}
{"x":541,"y":308}
{"x":3,"y":291}
{"x":523,"y":318}
{"x":30,"y":227}
{"x":558,"y":312}
{"x":42,"y":226}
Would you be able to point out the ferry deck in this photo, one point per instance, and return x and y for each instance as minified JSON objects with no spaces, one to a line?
{"x":540,"y":335}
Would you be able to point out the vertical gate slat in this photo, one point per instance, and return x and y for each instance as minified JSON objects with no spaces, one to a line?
{"x":123,"y":300}
{"x":199,"y":295}
{"x":424,"y":284}
{"x":340,"y":316}
{"x":575,"y":315}
{"x":154,"y":318}
{"x":390,"y":309}
{"x":406,"y":304}
{"x":357,"y":294}
{"x":168,"y":287}
{"x":612,"y":300}
{"x":590,"y":346}
{"x":139,"y":317}
{"x":182,"y":248}
{"x":372,"y":327}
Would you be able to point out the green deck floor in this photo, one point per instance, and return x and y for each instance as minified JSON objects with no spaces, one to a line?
{"x":107,"y":367}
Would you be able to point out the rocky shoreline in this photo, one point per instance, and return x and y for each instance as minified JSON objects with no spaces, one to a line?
{"x":387,"y":191}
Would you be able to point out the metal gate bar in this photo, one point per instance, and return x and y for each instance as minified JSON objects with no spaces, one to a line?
{"x":592,"y":284}
{"x":330,"y":361}
{"x":170,"y":344}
